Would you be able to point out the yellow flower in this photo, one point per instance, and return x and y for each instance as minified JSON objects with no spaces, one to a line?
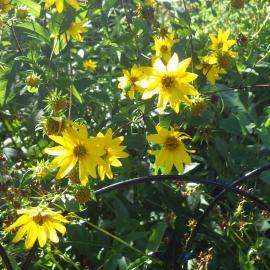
{"x":113,"y":151}
{"x":163,"y":46}
{"x":172,"y":152}
{"x":150,"y":3}
{"x":38,"y":223}
{"x":75,"y":30}
{"x":210,"y":68}
{"x":170,"y":82}
{"x":89,"y":65}
{"x":5,"y":6}
{"x":221,"y":42}
{"x":75,"y":147}
{"x":128,"y":82}
{"x":224,"y":58}
{"x":59,"y":4}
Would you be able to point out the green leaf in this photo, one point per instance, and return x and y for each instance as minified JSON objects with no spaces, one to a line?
{"x":35,"y":29}
{"x":156,"y":236}
{"x":76,"y":94}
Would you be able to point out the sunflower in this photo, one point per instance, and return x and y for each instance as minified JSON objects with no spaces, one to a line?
{"x":210,"y":68}
{"x":75,"y":147}
{"x":59,"y":4}
{"x":75,"y":30}
{"x":170,"y":82}
{"x":5,"y":6}
{"x":38,"y":223}
{"x":221,"y":42}
{"x":89,"y":65}
{"x":113,"y":151}
{"x":128,"y":82}
{"x":163,"y":46}
{"x":172,"y":152}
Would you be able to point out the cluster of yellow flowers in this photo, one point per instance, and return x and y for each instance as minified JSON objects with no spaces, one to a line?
{"x":168,"y":78}
{"x":89,"y":154}
{"x":214,"y":64}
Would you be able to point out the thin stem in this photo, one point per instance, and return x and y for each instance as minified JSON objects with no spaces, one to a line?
{"x":17,"y":43}
{"x":29,"y":257}
{"x":5,"y":258}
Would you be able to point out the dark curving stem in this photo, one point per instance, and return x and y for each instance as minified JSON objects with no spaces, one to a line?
{"x":5,"y":258}
{"x":30,"y":256}
{"x":218,"y":197}
{"x":159,"y":178}
{"x":194,"y":179}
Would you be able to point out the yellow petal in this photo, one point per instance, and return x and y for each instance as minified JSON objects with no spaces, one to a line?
{"x":21,"y":232}
{"x":20,"y":221}
{"x":59,"y":5}
{"x":59,"y":227}
{"x":31,"y":236}
{"x":42,"y":237}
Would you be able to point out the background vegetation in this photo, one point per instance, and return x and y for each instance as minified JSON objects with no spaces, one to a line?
{"x":131,"y":227}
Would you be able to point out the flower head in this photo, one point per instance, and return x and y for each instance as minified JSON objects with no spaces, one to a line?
{"x":128,"y":82}
{"x":59,"y":4}
{"x":163,"y":46}
{"x":221,"y":42}
{"x":38,"y":223}
{"x":210,"y":68}
{"x":170,"y":82}
{"x":5,"y":6}
{"x":75,"y":30}
{"x":172,"y":152}
{"x":90,"y":65}
{"x":75,"y":147}
{"x":113,"y":151}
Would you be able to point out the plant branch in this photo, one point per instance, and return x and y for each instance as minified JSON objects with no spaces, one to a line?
{"x":29,"y":257}
{"x":5,"y":258}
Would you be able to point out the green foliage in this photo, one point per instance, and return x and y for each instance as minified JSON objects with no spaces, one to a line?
{"x":231,"y":136}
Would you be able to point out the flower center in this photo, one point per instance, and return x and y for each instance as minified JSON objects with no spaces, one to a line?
{"x":167,"y":81}
{"x":164,"y":48}
{"x":79,"y":151}
{"x":39,"y":219}
{"x":133,"y":79}
{"x":224,"y":60}
{"x":220,"y":45}
{"x":171,"y":143}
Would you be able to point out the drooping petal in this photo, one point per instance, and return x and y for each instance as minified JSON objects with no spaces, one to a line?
{"x":31,"y":235}
{"x":42,"y":237}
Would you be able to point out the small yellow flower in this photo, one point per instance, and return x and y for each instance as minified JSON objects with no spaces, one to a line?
{"x":59,"y":4}
{"x":210,"y":68}
{"x":5,"y":6}
{"x":90,"y":65}
{"x":163,"y":46}
{"x":172,"y":152}
{"x":221,"y":42}
{"x":170,"y":82}
{"x":128,"y":82}
{"x":75,"y":30}
{"x":38,"y":223}
{"x":113,"y":151}
{"x":224,"y":58}
{"x":75,"y":147}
